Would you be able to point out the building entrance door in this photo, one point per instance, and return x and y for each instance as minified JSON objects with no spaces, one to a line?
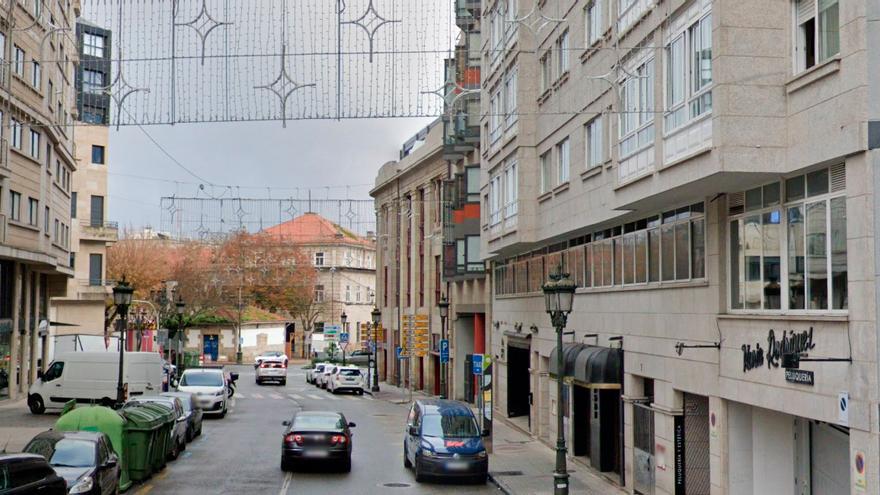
{"x":518,"y":382}
{"x":581,"y":397}
{"x":211,"y":347}
{"x":643,"y":448}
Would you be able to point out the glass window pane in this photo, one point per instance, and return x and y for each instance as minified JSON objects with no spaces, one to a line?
{"x":752,"y":251}
{"x":817,"y":182}
{"x":772,"y":260}
{"x":753,"y":199}
{"x":588,"y":265}
{"x":817,"y":257}
{"x":641,"y":257}
{"x":839,"y":296}
{"x":606,"y":263}
{"x":628,"y":259}
{"x":654,"y":255}
{"x":698,"y":249}
{"x":618,"y":258}
{"x":668,"y":251}
{"x":771,"y":194}
{"x":460,"y":252}
{"x":794,"y":188}
{"x":829,"y":29}
{"x":682,"y":251}
{"x":796,"y":281}
{"x":736,"y":293}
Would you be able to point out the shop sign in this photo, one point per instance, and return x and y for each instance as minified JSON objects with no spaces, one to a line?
{"x":678,"y":444}
{"x":859,"y":470}
{"x":802,"y":377}
{"x":789,"y":342}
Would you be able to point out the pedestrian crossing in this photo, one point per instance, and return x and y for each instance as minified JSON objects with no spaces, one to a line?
{"x":299,"y":396}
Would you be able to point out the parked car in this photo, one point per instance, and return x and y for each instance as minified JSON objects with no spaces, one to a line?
{"x":318,"y":437}
{"x":175,"y":405}
{"x":273,"y":355}
{"x":85,"y":459}
{"x":193,"y":412}
{"x":347,"y":378}
{"x":271,"y":370}
{"x":90,"y":377}
{"x":24,"y":474}
{"x":442,"y":440}
{"x":312,"y":374}
{"x":324,"y":377}
{"x":358,"y":358}
{"x":210,"y":388}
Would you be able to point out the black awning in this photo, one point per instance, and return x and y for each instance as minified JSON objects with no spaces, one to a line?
{"x":593,"y":366}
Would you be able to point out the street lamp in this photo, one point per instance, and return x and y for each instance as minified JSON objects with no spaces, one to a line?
{"x":443,"y":306}
{"x":377,"y":317}
{"x":558,"y":299}
{"x":343,"y":318}
{"x":181,"y":306}
{"x":122,"y":293}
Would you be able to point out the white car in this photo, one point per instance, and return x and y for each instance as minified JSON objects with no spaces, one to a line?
{"x":271,"y":370}
{"x":209,"y":387}
{"x":346,"y":378}
{"x":312,"y":374}
{"x":324,"y":377}
{"x":270,"y":355}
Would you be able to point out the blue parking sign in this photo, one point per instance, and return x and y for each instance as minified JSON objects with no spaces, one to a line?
{"x":398,"y":351}
{"x":444,"y":351}
{"x":478,"y":364}
{"x":343,"y":338}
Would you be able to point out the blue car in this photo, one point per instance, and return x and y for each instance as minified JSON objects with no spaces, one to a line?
{"x":443,"y":440}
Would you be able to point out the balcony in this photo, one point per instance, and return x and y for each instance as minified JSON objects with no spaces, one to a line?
{"x":466,"y":13}
{"x":99,"y":231}
{"x":92,"y":290}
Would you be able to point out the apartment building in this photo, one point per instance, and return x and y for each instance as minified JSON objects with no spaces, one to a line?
{"x":37,"y":100}
{"x":691,"y":165}
{"x":345,"y":263}
{"x":91,"y":232}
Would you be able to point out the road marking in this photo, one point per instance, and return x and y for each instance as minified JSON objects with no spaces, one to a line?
{"x":295,"y":396}
{"x":145,"y":490}
{"x":276,"y":396}
{"x":316,"y":397}
{"x":257,"y":396}
{"x":286,"y":486}
{"x":241,"y":396}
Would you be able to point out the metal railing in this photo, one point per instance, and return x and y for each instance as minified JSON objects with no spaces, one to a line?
{"x":99,"y":224}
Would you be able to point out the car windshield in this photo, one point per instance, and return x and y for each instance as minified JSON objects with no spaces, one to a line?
{"x":350,"y":372}
{"x":73,"y":453}
{"x":458,"y":426}
{"x":318,"y":422}
{"x":201,"y":380}
{"x":319,"y":368}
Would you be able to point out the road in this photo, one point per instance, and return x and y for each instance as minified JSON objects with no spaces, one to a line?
{"x":241,"y":453}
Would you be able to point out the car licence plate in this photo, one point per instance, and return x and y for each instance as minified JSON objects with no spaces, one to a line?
{"x":316,"y":453}
{"x":456,"y":466}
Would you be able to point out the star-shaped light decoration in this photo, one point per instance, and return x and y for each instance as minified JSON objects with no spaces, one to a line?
{"x":284,"y":85}
{"x":370,"y":21}
{"x":202,"y":24}
{"x":535,"y":21}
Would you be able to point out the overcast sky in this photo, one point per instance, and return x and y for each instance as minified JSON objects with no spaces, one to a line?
{"x":307,"y":154}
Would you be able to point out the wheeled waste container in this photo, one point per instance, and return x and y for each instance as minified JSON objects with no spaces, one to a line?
{"x":142,"y":432}
{"x":106,"y":421}
{"x":164,"y":435}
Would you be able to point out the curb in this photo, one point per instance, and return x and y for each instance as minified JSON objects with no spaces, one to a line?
{"x":501,"y":486}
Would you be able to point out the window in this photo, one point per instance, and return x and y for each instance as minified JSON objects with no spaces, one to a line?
{"x":546,"y":72}
{"x":319,"y":293}
{"x":94,"y":115}
{"x":18,"y":61}
{"x":38,"y":8}
{"x":57,"y":232}
{"x":15,"y":206}
{"x":319,"y":259}
{"x":46,"y":220}
{"x":689,"y":74}
{"x":93,"y":44}
{"x":96,"y":265}
{"x":637,"y":103}
{"x":15,"y":129}
{"x":347,"y":293}
{"x":495,"y":193}
{"x":36,"y":75}
{"x":35,"y":144}
{"x":93,"y":81}
{"x":472,"y":177}
{"x":562,"y":57}
{"x":563,"y":160}
{"x":473,"y":254}
{"x":97,"y":154}
{"x":816,"y":41}
{"x":510,"y":105}
{"x":33,"y":211}
{"x":792,"y":254}
{"x":546,"y":173}
{"x":512,"y":183}
{"x":50,"y":90}
{"x":495,"y":116}
{"x":595,"y":151}
{"x":593,"y":22}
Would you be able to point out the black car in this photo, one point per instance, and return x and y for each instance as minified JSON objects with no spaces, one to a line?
{"x":317,"y":437}
{"x":22,"y":474}
{"x":85,"y":459}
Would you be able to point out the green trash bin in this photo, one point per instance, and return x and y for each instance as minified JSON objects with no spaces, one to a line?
{"x":106,"y":421}
{"x":164,"y":434}
{"x":142,"y":427}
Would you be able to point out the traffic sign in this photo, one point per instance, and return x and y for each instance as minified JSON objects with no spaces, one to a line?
{"x":444,"y":351}
{"x":400,"y":354}
{"x":478,"y":364}
{"x":343,"y":337}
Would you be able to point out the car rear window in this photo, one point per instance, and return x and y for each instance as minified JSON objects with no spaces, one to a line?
{"x":350,"y":372}
{"x":329,"y":422}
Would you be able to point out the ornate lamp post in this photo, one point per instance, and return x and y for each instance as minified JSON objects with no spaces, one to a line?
{"x":377,"y":317}
{"x":343,"y":318}
{"x":181,"y":307}
{"x":122,"y":294}
{"x":558,"y":299}
{"x":443,"y":306}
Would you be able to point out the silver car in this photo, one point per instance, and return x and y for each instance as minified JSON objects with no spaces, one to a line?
{"x":175,"y":405}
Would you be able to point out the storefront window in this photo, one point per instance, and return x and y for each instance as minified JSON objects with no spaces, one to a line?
{"x":5,"y":356}
{"x":813,"y":273}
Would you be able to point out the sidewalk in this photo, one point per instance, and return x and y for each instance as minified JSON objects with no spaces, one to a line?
{"x":519,"y":464}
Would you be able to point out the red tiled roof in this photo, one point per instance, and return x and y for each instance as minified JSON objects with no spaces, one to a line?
{"x":311,"y":228}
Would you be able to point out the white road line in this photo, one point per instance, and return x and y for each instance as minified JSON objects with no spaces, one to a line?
{"x":316,"y":397}
{"x":286,"y":486}
{"x":257,"y":396}
{"x":295,"y":396}
{"x":240,"y":395}
{"x":275,"y":396}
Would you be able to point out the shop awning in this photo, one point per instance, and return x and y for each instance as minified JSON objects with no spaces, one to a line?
{"x":594,"y":366}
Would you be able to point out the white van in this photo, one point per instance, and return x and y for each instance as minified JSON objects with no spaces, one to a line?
{"x":91,"y":377}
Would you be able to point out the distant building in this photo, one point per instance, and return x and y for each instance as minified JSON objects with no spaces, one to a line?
{"x":346,"y":275}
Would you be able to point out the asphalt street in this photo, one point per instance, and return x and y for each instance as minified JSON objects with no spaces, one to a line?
{"x":241,"y":453}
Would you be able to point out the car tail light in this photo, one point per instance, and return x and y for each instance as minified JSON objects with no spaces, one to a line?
{"x":293,"y":438}
{"x":284,"y":365}
{"x":340,"y":439}
{"x":262,"y":365}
